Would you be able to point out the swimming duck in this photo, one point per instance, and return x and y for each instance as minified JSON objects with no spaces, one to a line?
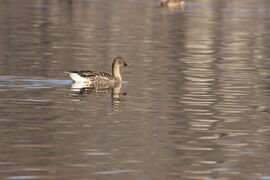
{"x":98,"y":77}
{"x":172,"y":3}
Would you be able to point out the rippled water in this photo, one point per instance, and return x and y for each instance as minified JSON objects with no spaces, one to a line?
{"x":194,"y":103}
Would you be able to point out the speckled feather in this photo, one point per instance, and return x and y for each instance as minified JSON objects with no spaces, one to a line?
{"x":92,"y":75}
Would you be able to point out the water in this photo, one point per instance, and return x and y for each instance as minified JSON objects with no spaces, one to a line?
{"x":194,"y":103}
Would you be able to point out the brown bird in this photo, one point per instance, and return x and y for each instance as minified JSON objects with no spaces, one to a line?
{"x":91,"y":77}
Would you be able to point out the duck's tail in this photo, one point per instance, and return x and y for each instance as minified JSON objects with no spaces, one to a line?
{"x":77,"y":78}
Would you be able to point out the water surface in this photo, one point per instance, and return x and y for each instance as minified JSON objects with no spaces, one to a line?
{"x":194,"y":103}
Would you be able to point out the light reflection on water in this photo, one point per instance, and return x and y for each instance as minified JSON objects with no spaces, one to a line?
{"x":194,"y":104}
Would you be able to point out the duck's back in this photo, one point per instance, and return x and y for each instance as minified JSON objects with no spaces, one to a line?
{"x":94,"y":76}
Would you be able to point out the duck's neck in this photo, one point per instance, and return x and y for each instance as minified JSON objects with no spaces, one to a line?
{"x":116,"y":72}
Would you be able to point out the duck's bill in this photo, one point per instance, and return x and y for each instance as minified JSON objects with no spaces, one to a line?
{"x":125,"y":64}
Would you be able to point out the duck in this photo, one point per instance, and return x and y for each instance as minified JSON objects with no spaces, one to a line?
{"x":172,"y":3}
{"x":92,"y":77}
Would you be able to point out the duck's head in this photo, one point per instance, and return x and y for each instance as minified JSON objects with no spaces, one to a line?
{"x":119,"y":61}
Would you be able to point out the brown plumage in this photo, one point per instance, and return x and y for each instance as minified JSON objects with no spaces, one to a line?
{"x":99,"y":77}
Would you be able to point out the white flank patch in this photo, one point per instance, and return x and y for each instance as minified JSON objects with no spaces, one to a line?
{"x":77,"y":78}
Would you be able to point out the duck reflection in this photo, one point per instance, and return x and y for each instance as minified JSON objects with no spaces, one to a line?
{"x":82,"y":89}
